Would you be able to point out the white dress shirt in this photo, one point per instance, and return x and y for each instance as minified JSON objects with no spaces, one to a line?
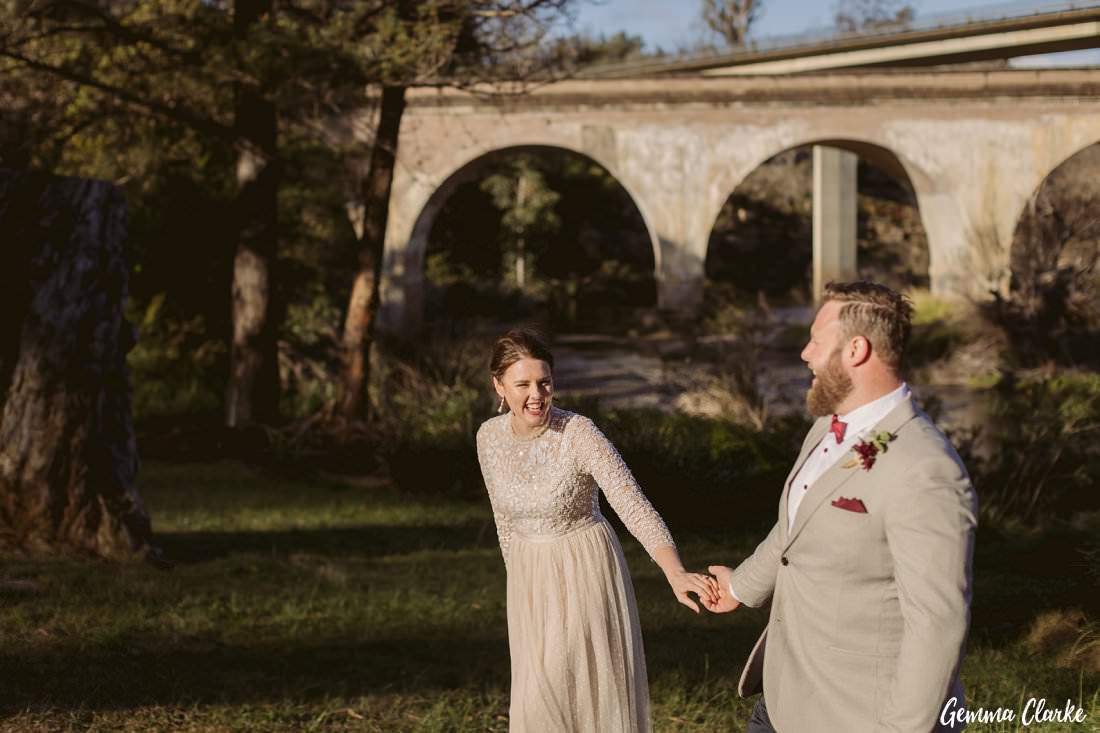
{"x":860,"y":423}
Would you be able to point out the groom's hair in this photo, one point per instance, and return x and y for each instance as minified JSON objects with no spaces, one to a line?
{"x":879,"y":314}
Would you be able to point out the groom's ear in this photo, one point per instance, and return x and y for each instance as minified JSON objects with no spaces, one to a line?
{"x":858,"y":351}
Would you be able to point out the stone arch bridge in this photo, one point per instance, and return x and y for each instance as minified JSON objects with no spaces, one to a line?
{"x":974,"y":145}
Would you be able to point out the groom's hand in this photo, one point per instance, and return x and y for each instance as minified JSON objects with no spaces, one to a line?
{"x":726,"y":601}
{"x":703,"y":586}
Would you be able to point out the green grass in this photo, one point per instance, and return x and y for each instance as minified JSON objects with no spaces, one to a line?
{"x":310,"y":605}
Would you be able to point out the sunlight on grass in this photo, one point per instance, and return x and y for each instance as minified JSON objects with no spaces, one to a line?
{"x":300,"y":605}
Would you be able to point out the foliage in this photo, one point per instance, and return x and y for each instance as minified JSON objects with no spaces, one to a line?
{"x":1069,"y":637}
{"x":891,"y":244}
{"x":528,"y":218}
{"x":309,"y":355}
{"x":863,"y":16}
{"x":731,"y":20}
{"x":761,"y":240}
{"x":431,"y":397}
{"x":717,"y":450}
{"x":584,"y":50}
{"x":1039,"y":457}
{"x":1052,"y":309}
{"x":142,"y":93}
{"x":586,"y":247}
{"x":731,"y":468}
{"x":733,"y":340}
{"x":943,"y":329}
{"x":174,"y":364}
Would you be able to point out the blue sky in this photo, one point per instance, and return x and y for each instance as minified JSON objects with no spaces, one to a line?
{"x":672,"y":24}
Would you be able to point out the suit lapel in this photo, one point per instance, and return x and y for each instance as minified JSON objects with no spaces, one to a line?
{"x":813,"y":437}
{"x":837,"y":475}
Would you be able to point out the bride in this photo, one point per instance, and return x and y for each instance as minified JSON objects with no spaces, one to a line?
{"x":578,"y":665}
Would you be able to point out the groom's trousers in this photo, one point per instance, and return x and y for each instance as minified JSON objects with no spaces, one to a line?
{"x":760,"y":722}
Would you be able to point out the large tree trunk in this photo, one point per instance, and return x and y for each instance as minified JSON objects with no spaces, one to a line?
{"x":68,"y":456}
{"x":252,"y":394}
{"x":359,"y":325}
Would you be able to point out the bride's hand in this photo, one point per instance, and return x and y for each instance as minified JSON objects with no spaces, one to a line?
{"x":726,"y":601}
{"x":704,"y":586}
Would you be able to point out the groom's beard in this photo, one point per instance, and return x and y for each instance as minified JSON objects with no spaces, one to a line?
{"x":833,"y":385}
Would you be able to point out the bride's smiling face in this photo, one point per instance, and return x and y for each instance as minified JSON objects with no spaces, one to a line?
{"x":528,"y":388}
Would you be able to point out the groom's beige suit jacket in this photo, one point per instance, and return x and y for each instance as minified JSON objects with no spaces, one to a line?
{"x":869,"y":610}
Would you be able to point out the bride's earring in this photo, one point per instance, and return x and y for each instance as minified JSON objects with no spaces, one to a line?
{"x":500,"y":407}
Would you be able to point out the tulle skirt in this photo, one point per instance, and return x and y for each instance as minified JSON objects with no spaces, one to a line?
{"x":578,"y":665}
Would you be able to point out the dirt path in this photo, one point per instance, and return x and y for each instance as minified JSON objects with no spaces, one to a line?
{"x":651,"y":371}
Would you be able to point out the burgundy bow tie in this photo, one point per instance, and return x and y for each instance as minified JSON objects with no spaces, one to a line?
{"x":837,"y":428}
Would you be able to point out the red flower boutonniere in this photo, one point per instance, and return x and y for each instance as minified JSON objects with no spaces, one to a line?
{"x":867,"y":450}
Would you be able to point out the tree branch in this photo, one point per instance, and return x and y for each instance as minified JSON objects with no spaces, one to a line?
{"x":201,"y":124}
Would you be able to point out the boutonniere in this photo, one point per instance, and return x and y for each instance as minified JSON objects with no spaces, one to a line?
{"x":867,"y":450}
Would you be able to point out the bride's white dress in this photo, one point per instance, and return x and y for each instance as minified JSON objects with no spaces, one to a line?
{"x":578,"y":664}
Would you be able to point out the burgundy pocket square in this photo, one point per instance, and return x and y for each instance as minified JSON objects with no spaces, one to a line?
{"x":851,"y":505}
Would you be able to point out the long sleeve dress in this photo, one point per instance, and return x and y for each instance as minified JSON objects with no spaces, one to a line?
{"x":578,"y":664}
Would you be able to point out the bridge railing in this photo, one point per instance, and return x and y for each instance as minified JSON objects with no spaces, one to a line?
{"x":1014,"y":9}
{"x":999,"y":12}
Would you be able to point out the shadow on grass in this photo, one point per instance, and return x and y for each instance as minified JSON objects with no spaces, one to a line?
{"x":367,"y":541}
{"x":162,"y":670}
{"x":1017,"y":578}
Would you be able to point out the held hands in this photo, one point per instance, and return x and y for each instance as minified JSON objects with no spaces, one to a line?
{"x":701,"y":585}
{"x":683,"y":582}
{"x":725,"y":601}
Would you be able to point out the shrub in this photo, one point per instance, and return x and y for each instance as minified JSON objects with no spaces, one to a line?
{"x":1041,"y":457}
{"x":733,"y":341}
{"x":700,"y":472}
{"x":429,"y":399}
{"x":175,"y":365}
{"x":309,"y":354}
{"x":939,"y":327}
{"x":1069,"y":637}
{"x":1052,"y":309}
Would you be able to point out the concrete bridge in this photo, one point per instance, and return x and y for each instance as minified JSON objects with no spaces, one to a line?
{"x":973,"y":145}
{"x":961,"y":36}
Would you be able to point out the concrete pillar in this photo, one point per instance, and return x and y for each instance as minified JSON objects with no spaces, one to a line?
{"x":680,"y":279}
{"x":834,"y":216}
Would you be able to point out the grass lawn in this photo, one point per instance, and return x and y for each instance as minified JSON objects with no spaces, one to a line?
{"x":306,"y":605}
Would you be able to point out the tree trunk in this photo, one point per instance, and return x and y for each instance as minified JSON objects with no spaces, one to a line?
{"x":68,"y":456}
{"x":252,"y":394}
{"x":521,"y":248}
{"x":363,"y":307}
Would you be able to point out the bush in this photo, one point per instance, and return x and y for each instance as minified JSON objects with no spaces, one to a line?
{"x":175,"y":364}
{"x":717,"y":451}
{"x":939,"y":328}
{"x":429,"y":399}
{"x":700,"y":472}
{"x":1052,"y":309}
{"x":1041,"y":457}
{"x":309,"y":354}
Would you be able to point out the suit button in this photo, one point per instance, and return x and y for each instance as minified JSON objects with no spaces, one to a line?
{"x":783,"y":560}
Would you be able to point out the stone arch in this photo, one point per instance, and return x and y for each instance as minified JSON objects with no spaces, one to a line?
{"x":997,"y":194}
{"x":882,"y":153}
{"x":404,"y":265}
{"x":1068,"y":189}
{"x":893,"y":163}
{"x":1054,"y":148}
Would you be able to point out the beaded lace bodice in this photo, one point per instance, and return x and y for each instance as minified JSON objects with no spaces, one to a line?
{"x":548,"y":485}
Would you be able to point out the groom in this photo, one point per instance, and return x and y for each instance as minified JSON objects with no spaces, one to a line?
{"x":868,"y":565}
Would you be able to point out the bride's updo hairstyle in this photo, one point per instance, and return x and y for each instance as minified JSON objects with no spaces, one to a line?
{"x":519,"y":343}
